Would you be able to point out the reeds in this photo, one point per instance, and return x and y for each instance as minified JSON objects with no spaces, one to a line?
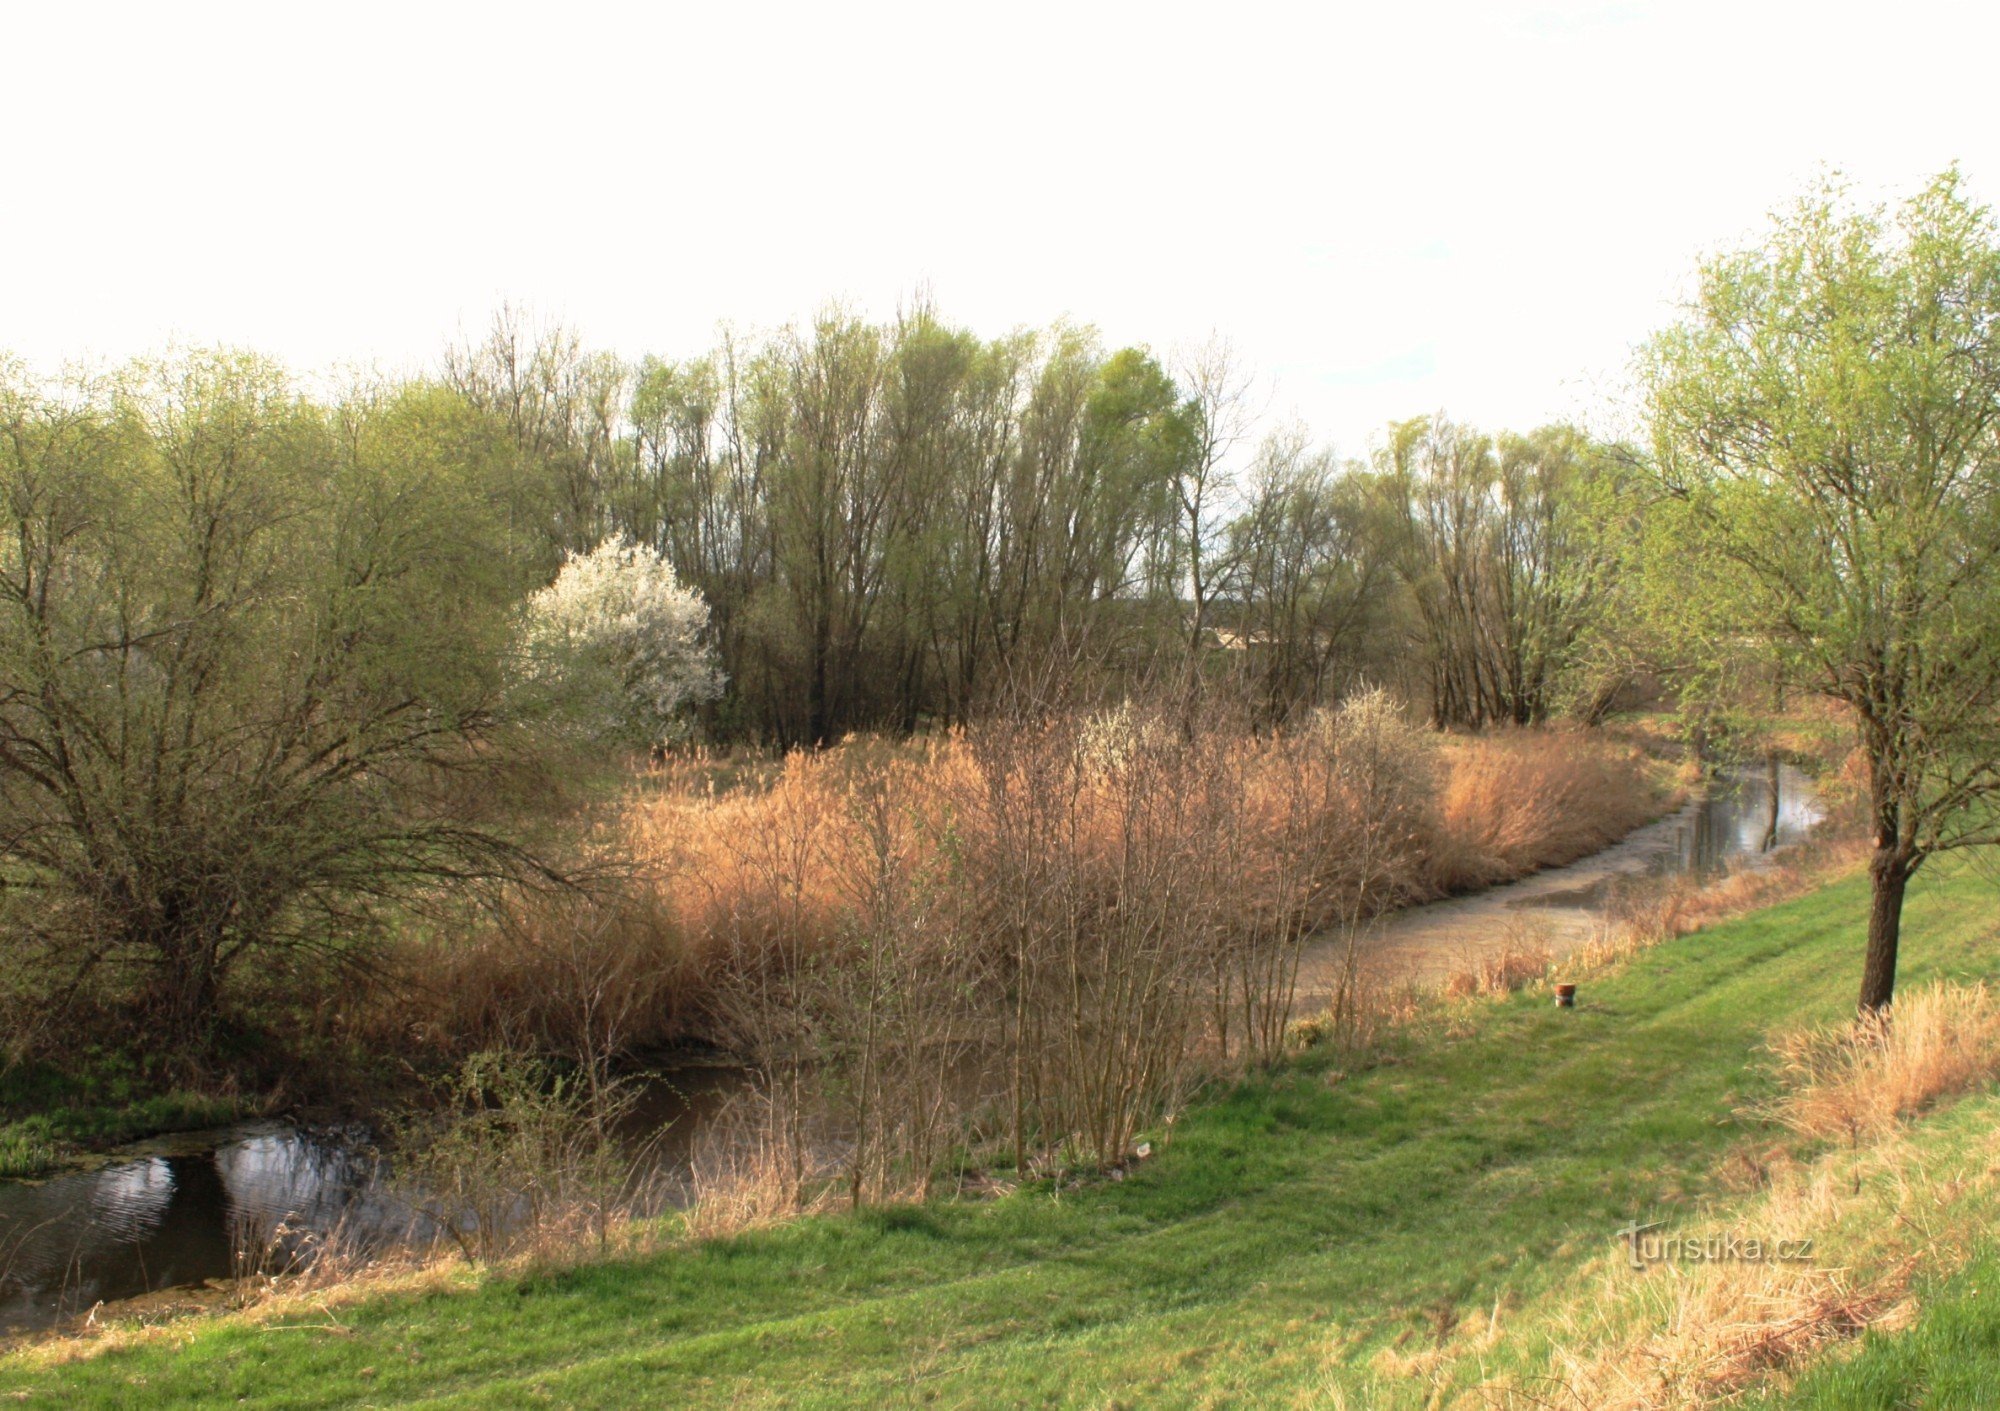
{"x":1511,"y":802}
{"x":1041,"y":931}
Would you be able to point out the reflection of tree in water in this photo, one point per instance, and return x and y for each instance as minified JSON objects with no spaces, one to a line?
{"x":288,"y":1192}
{"x":115,"y":1233}
{"x":1752,"y":812}
{"x":183,"y":1248}
{"x":1771,"y":796}
{"x":265,"y":1197}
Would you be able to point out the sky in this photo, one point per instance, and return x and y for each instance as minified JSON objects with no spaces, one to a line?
{"x":1385,"y":209}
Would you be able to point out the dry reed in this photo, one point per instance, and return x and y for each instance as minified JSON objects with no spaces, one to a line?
{"x":1083,"y":909}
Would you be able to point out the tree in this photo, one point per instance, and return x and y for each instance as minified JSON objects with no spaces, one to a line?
{"x":560,"y":406}
{"x":1555,"y":559}
{"x":1501,"y":548}
{"x":1823,"y":421}
{"x":1308,"y":575}
{"x":250,"y":687}
{"x":1214,"y":421}
{"x":620,"y":641}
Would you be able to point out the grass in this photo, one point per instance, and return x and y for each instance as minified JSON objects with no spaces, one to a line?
{"x":100,"y":1098}
{"x":1309,"y":1236}
{"x":1947,"y":1360}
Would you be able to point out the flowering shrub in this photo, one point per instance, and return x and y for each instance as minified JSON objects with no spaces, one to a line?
{"x":618,"y":638}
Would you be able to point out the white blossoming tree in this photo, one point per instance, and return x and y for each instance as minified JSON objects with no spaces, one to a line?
{"x":617,"y":641}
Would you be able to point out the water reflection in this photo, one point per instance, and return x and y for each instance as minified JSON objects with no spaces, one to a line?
{"x":187,"y":1211}
{"x":182,"y":1217}
{"x":1750,"y":812}
{"x":262,"y":1194}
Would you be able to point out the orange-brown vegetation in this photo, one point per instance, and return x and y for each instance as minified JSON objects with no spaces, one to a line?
{"x":774,"y":864}
{"x":1859,"y":1079}
{"x":1511,"y":802}
{"x":1046,"y":929}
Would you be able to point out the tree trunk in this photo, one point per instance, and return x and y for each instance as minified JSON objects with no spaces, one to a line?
{"x":1772,"y":781}
{"x":1889,"y":875}
{"x":184,"y":993}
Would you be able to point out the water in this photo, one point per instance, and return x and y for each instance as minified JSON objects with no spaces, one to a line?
{"x":173,"y":1213}
{"x":179,"y":1212}
{"x":200,"y":1206}
{"x":1749,"y":813}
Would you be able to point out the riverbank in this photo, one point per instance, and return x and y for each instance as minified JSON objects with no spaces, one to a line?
{"x":180,"y":1213}
{"x":52,"y":1121}
{"x":1743,"y":818}
{"x":1422,"y":1225}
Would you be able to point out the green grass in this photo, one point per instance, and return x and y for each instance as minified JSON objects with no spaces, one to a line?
{"x":1948,"y":1361}
{"x":26,"y":1151}
{"x":1298,"y":1225}
{"x":50,"y":1113}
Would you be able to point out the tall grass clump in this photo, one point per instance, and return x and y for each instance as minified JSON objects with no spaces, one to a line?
{"x":515,"y":1157}
{"x":1859,"y":1079}
{"x":1862,"y":1218}
{"x":1511,"y":802}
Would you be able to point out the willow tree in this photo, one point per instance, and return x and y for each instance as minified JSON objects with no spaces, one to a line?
{"x":1824,"y":421}
{"x":252,"y":677}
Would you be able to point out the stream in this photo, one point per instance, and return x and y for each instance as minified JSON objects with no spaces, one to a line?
{"x":1747,"y":814}
{"x":175,"y":1212}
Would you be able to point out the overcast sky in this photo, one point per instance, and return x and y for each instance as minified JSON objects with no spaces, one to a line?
{"x":1387,"y":208}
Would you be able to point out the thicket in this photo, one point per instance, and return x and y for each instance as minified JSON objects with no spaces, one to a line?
{"x":273,"y":718}
{"x":1036,"y":934}
{"x":894,"y":523}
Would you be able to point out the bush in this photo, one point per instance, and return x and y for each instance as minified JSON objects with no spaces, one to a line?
{"x":516,"y":1154}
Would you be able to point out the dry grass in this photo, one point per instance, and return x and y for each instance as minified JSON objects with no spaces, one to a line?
{"x":1523,"y":958}
{"x":312,"y":1298}
{"x":1098,"y":905}
{"x":747,"y":1172}
{"x":1657,"y":909}
{"x":1691,"y":1334}
{"x":1501,"y":973}
{"x":774,"y":865}
{"x":1871,"y":1211}
{"x":1860,"y":1079}
{"x":1512,"y":802}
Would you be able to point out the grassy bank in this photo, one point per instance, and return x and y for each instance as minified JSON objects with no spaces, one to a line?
{"x":1437,"y":1223}
{"x":50,"y":1114}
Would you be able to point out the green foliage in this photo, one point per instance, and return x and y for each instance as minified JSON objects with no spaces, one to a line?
{"x":1826,"y":430}
{"x":1509,"y":550}
{"x":251,"y":668}
{"x":97,"y":1097}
